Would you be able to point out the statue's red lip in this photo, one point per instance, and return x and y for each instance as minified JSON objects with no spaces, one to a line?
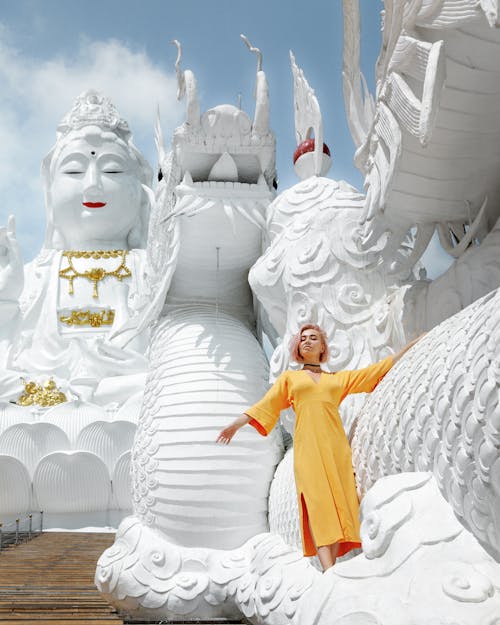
{"x":94,"y":204}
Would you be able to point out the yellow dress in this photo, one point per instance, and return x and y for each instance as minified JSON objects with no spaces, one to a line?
{"x":324,"y":478}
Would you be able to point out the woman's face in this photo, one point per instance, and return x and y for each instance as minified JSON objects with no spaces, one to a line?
{"x":95,"y":193}
{"x":311,"y":346}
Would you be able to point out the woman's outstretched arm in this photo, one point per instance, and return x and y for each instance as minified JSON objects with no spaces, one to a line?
{"x":227,"y":433}
{"x":366,"y":379}
{"x":403,"y":351}
{"x":263,"y":415}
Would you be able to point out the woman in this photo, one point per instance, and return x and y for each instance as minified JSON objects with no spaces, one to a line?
{"x":326,"y":489}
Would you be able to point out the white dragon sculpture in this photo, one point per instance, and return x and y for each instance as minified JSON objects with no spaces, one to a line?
{"x":426,"y":444}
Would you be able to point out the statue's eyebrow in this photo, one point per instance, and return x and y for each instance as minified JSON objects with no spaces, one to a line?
{"x":70,"y":158}
{"x":111,"y":156}
{"x":116,"y":159}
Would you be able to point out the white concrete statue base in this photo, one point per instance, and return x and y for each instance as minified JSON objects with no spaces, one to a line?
{"x":419,"y":566}
{"x":143,"y":573}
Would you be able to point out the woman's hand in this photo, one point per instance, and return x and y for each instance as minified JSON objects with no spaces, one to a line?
{"x":227,"y":433}
{"x":11,"y":264}
{"x":403,"y":351}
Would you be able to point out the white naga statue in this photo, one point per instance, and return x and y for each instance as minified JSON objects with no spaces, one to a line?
{"x":59,"y":311}
{"x":426,"y":444}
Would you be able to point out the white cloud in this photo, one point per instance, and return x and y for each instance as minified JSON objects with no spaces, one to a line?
{"x":36,"y":94}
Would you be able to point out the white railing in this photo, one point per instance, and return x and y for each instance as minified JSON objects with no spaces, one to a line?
{"x":20,"y":530}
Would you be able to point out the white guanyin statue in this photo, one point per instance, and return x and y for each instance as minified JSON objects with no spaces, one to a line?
{"x":65,"y":446}
{"x":58,"y":313}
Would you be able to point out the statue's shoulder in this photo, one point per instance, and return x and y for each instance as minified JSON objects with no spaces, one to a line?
{"x":138,"y":252}
{"x":36,"y":278}
{"x":137,"y":255}
{"x":40,"y":266}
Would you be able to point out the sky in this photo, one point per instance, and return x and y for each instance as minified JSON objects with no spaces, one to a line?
{"x":52,"y":50}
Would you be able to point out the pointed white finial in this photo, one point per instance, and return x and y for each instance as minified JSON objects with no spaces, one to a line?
{"x":255,"y":51}
{"x":261,"y":94}
{"x":181,"y":83}
{"x":186,"y":86}
{"x":308,"y":121}
{"x":160,"y":144}
{"x":359,"y":103}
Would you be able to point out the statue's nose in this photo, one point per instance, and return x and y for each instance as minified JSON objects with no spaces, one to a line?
{"x":92,"y":180}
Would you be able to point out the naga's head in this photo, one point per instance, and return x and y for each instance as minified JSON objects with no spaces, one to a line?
{"x":217,"y":184}
{"x":223,"y":147}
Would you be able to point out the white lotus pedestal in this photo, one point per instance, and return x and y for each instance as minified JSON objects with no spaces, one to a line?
{"x":72,"y":461}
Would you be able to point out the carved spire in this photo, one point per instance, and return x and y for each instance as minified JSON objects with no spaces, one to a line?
{"x":186,"y":86}
{"x":359,"y":104}
{"x":307,"y":114}
{"x":255,"y":51}
{"x":160,"y":143}
{"x":261,"y":93}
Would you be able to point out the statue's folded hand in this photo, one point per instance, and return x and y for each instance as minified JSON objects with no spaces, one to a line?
{"x":11,"y":263}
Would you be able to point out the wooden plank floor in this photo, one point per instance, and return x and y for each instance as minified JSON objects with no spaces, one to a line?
{"x":50,"y":581}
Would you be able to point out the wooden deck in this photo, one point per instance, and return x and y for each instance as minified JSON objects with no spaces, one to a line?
{"x":50,"y":581}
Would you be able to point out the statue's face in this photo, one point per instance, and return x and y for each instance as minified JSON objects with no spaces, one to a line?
{"x":95,"y":191}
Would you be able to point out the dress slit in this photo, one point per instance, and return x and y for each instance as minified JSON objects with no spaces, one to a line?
{"x":308,"y":542}
{"x":307,"y":538}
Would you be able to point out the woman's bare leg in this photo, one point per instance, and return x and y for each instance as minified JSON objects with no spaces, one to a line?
{"x":334,"y":550}
{"x":325,"y":556}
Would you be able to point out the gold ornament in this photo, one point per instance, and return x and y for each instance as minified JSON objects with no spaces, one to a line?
{"x":38,"y":395}
{"x":89,"y":318}
{"x":96,"y":274}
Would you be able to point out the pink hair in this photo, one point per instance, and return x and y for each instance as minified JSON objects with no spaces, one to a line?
{"x":295,"y":342}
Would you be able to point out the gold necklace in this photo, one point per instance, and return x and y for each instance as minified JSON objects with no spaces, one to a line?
{"x":96,"y":274}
